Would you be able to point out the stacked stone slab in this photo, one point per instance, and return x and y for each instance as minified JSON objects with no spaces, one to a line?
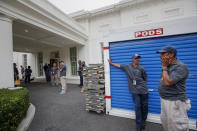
{"x":95,"y":88}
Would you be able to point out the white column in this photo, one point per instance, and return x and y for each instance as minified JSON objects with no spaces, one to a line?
{"x":6,"y":53}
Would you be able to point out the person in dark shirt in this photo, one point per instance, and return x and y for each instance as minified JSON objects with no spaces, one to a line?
{"x":28,"y":72}
{"x":15,"y":72}
{"x":80,"y":72}
{"x":83,"y":64}
{"x":46,"y":72}
{"x":174,"y":101}
{"x":137,"y":85}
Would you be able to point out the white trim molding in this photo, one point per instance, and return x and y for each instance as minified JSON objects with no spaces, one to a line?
{"x":104,"y":10}
{"x":107,"y":77}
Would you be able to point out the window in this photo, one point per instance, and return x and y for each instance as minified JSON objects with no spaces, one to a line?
{"x":25,"y":60}
{"x":40,"y":61}
{"x":73,"y":60}
{"x":102,"y":51}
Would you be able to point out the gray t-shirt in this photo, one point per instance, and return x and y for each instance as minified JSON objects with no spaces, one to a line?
{"x":63,"y":72}
{"x":54,"y":70}
{"x":136,"y":78}
{"x":178,"y":73}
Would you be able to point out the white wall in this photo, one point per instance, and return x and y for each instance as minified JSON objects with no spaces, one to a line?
{"x":98,"y":26}
{"x":46,"y":57}
{"x":33,"y":63}
{"x":6,"y":57}
{"x":157,"y":11}
{"x":141,"y":13}
{"x":83,"y":54}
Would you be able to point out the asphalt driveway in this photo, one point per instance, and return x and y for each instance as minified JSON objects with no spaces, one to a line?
{"x":56,"y":112}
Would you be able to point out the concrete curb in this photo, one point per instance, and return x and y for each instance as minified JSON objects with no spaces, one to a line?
{"x":23,"y":126}
{"x":15,"y":88}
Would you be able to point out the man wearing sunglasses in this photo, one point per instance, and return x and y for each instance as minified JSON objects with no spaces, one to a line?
{"x":137,"y":85}
{"x":174,"y":101}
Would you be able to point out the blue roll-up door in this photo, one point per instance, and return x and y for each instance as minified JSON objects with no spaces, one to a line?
{"x":121,"y":52}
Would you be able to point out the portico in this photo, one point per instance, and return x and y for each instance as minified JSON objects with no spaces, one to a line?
{"x":35,"y":27}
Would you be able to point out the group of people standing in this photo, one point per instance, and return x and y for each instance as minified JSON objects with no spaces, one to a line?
{"x":51,"y":74}
{"x":25,"y":73}
{"x":172,"y":90}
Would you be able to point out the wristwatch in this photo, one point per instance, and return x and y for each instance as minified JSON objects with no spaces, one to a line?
{"x":164,"y":69}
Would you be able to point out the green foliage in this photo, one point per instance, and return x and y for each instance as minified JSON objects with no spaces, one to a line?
{"x":13,"y":108}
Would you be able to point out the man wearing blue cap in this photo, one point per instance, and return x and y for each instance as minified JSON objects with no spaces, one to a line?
{"x":137,"y":85}
{"x":174,"y":101}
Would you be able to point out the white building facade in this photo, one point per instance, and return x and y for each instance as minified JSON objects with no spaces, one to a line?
{"x":126,"y":28}
{"x":50,"y":36}
{"x":99,"y":23}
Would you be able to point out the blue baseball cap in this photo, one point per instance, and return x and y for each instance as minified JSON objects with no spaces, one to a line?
{"x":136,"y":56}
{"x":169,"y":49}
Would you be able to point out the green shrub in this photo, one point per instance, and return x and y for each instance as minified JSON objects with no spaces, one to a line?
{"x":13,"y":108}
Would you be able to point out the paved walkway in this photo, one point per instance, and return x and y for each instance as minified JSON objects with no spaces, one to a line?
{"x":67,"y":113}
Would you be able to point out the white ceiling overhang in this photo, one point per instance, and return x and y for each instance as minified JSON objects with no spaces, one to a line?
{"x":42,"y":16}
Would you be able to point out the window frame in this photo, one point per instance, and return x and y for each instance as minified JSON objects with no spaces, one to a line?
{"x":73,"y":60}
{"x":25,"y":60}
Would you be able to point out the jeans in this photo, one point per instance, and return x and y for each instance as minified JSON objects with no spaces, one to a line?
{"x":27,"y":78}
{"x":141,"y":109}
{"x":81,"y":79}
{"x":48,"y":77}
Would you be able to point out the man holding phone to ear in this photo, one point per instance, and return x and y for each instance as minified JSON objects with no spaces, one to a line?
{"x":137,"y":85}
{"x":174,"y":101}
